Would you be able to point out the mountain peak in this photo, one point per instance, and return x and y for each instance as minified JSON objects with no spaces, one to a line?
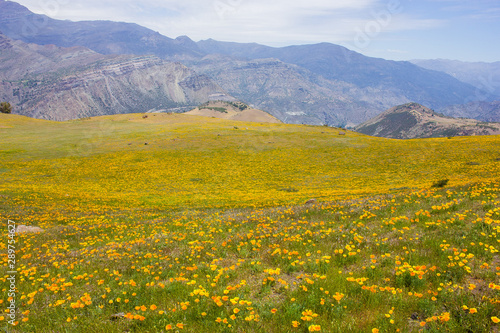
{"x":186,"y":42}
{"x":13,"y":10}
{"x":104,"y":37}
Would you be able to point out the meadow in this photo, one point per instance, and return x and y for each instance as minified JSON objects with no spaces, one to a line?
{"x":191,"y":224}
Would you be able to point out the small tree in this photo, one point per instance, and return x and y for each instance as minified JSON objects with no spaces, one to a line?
{"x":5,"y":107}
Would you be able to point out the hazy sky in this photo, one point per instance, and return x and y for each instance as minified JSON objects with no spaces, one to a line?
{"x":466,"y":30}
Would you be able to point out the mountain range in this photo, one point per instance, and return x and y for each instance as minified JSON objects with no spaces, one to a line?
{"x":483,"y":75}
{"x":105,"y":37}
{"x":50,"y":82}
{"x":314,"y":84}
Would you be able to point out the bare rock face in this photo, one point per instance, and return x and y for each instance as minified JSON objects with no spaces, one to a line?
{"x":290,"y":93}
{"x":21,"y":61}
{"x":69,"y":83}
{"x":24,"y":229}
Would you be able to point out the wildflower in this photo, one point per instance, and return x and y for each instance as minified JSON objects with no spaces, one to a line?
{"x":308,"y":315}
{"x":496,"y":320}
{"x":314,"y":328}
{"x":445,"y":317}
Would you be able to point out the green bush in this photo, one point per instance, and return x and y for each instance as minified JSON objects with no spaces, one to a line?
{"x":222,"y":110}
{"x":5,"y":107}
{"x":440,"y":183}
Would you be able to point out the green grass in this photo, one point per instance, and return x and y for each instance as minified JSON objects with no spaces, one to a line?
{"x":222,"y":110}
{"x":206,"y":227}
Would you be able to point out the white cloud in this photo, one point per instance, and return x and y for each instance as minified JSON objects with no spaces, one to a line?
{"x":278,"y":22}
{"x":397,"y":51}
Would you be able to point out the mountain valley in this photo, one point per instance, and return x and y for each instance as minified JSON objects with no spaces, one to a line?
{"x":320,"y":84}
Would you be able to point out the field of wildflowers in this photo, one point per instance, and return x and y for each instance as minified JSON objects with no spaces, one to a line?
{"x":189,"y":224}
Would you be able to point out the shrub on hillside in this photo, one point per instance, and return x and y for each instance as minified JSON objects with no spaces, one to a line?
{"x":440,"y":183}
{"x":5,"y":107}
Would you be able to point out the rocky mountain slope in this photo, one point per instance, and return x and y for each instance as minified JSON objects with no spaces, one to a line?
{"x":20,"y":59}
{"x":60,"y":83}
{"x":337,"y":63}
{"x":484,"y":111}
{"x":232,"y":111}
{"x":485,"y":76}
{"x":314,"y":84}
{"x":412,"y":120}
{"x":294,"y":94}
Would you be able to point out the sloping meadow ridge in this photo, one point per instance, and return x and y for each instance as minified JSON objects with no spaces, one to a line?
{"x":192,"y":224}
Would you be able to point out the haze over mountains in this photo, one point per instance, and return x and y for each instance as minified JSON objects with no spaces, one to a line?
{"x":315,"y":84}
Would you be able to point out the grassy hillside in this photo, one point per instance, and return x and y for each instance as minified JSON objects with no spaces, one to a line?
{"x":232,"y":111}
{"x":204,"y":228}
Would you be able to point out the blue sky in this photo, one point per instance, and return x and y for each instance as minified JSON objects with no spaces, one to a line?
{"x":467,"y":30}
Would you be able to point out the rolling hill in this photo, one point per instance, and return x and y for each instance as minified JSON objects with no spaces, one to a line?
{"x":224,"y":219}
{"x":185,"y":223}
{"x":413,"y":120}
{"x":232,"y":111}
